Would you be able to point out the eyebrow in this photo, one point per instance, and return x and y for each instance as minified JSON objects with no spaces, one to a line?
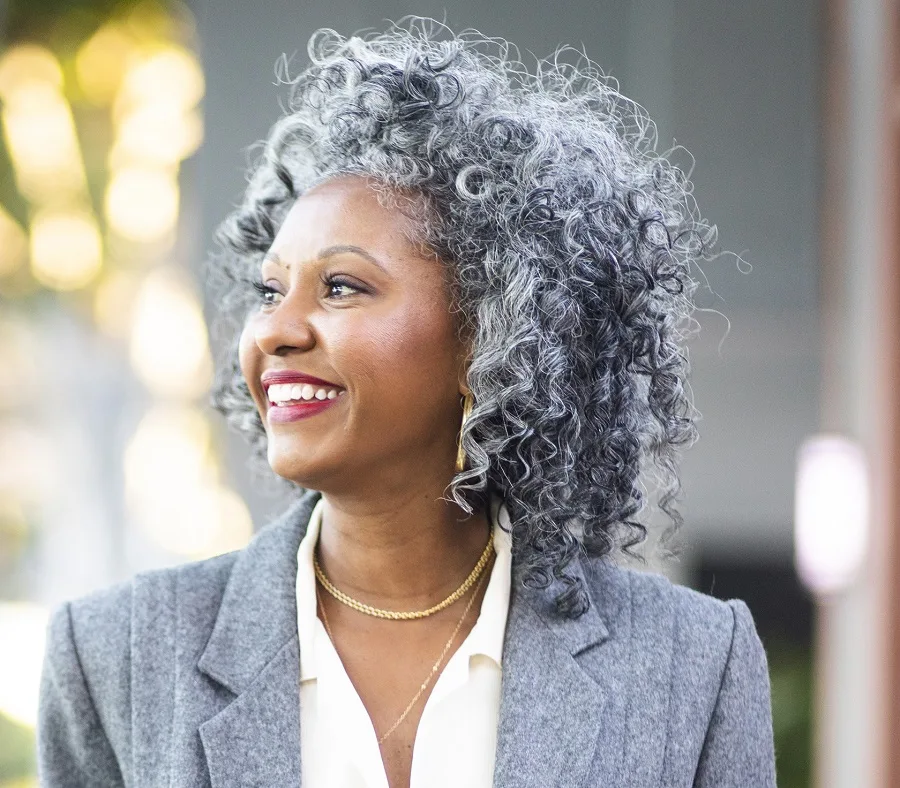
{"x":329,"y":252}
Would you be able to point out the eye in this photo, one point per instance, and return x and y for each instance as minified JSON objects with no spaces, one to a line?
{"x":265,"y":292}
{"x":338,"y":281}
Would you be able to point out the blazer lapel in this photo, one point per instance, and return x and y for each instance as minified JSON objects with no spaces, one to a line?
{"x":253,"y":651}
{"x":558,"y":724}
{"x":255,"y":740}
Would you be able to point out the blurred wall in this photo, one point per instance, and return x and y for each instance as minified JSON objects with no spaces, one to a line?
{"x":737,"y":85}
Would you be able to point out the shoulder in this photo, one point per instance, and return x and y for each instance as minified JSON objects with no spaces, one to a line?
{"x":94,"y":633}
{"x":153,"y":609}
{"x":101,"y":622}
{"x":650,"y":603}
{"x":685,"y":638}
{"x":691,"y":665}
{"x":110,"y":606}
{"x":92,"y":672}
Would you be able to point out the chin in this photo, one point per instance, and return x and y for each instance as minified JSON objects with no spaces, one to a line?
{"x":295,"y":465}
{"x":289,"y":468}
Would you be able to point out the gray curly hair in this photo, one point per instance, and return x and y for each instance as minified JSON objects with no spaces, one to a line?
{"x":568,"y":243}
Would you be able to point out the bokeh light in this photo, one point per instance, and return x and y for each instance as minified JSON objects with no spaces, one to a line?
{"x":13,"y":244}
{"x":172,"y":75}
{"x":173,"y":488}
{"x":831,"y":522}
{"x":198,"y":522}
{"x":66,"y":248}
{"x":169,"y":345}
{"x":94,"y":133}
{"x":28,"y":467}
{"x":101,"y":61}
{"x":114,"y":298}
{"x":42,"y":143}
{"x":157,"y":134}
{"x":26,"y":65}
{"x":14,"y":529}
{"x":18,"y":362}
{"x":170,"y":448}
{"x":142,"y":203}
{"x":23,"y":635}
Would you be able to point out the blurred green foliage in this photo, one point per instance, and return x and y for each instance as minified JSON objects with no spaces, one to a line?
{"x":790,"y":673}
{"x":63,"y":25}
{"x":17,"y":752}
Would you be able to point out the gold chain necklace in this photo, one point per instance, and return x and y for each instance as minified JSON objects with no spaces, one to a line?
{"x":433,"y":669}
{"x":404,"y":616}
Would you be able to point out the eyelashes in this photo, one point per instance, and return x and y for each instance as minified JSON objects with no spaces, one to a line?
{"x":266,"y":294}
{"x":262,"y":291}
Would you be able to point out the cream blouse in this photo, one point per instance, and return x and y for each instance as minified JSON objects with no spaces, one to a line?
{"x":456,"y":738}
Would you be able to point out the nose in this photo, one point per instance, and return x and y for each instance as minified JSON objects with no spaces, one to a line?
{"x":282,"y":330}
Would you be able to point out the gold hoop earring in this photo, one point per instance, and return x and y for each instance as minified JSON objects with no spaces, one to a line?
{"x":468,"y":402}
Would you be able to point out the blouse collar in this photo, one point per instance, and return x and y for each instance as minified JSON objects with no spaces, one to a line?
{"x":485,"y":638}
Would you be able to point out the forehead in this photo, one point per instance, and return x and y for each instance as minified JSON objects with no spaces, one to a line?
{"x":341,"y":211}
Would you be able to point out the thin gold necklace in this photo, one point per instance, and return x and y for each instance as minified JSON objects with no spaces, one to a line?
{"x":434,"y":667}
{"x":404,"y":616}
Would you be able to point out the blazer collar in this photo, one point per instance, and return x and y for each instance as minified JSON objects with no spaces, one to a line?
{"x":553,"y":708}
{"x":560,"y":720}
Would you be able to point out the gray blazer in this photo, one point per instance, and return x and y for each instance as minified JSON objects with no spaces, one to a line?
{"x":189,"y":676}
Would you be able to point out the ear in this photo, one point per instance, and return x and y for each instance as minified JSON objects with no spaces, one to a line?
{"x":461,"y":383}
{"x":465,"y":360}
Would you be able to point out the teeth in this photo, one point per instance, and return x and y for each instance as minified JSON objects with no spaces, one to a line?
{"x":281,"y":393}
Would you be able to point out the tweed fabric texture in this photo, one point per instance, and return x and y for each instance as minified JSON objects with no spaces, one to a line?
{"x":189,"y":677}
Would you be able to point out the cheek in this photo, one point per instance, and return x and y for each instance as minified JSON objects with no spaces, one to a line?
{"x":249,"y":356}
{"x":410,"y":352}
{"x":244,"y":349}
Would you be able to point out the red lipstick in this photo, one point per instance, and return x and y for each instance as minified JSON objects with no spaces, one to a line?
{"x":279,"y":414}
{"x":271,"y":376}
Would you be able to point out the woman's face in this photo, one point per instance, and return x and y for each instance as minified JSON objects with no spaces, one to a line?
{"x":355,"y":304}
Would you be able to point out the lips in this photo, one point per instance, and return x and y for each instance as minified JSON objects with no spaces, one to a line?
{"x":285,"y":413}
{"x":271,"y":376}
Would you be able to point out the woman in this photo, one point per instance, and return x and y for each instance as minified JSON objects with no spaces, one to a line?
{"x":459,"y":291}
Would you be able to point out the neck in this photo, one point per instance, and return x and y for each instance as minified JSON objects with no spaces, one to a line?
{"x":402,"y":553}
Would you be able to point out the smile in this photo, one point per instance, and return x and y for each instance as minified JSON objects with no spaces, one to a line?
{"x":281,"y":394}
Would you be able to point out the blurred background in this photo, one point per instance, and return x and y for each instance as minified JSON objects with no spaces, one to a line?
{"x":125,"y":129}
